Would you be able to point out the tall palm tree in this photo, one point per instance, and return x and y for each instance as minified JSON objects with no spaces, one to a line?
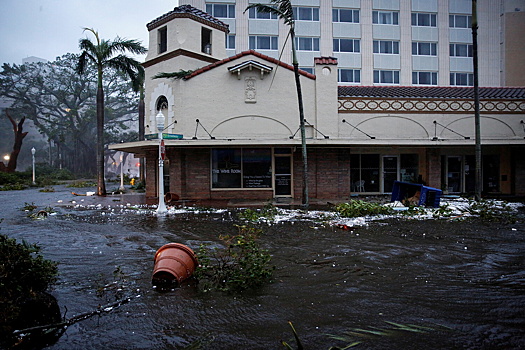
{"x":283,"y":9}
{"x":106,"y":54}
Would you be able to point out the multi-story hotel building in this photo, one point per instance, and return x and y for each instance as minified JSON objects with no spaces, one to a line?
{"x":398,"y":42}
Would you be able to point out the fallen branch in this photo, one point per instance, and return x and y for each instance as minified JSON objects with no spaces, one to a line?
{"x":106,"y":308}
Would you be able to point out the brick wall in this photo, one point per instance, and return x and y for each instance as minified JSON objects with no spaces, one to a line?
{"x":328,"y":173}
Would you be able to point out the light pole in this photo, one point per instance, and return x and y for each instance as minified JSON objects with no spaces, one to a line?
{"x":33,"y":151}
{"x":161,"y":209}
{"x":121,"y":188}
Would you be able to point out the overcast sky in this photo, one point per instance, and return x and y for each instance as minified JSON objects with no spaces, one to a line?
{"x":52,"y":28}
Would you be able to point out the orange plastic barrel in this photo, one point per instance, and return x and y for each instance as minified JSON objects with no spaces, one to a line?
{"x":174,"y":262}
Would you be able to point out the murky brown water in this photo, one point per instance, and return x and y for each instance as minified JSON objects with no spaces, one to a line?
{"x":464,"y":280}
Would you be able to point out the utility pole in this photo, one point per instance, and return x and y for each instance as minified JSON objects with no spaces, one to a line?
{"x":478,"y":179}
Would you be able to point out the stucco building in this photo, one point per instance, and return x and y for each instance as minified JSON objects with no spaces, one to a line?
{"x":232,"y":125}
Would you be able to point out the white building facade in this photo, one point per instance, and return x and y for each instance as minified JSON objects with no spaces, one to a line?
{"x":231,"y":125}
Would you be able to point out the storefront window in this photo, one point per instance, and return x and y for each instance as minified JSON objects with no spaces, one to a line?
{"x":241,"y":168}
{"x":364,"y":172}
{"x":226,"y":168}
{"x":409,"y":167}
{"x":256,"y":166}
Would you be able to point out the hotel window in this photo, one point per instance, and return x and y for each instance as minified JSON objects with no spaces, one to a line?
{"x":163,"y":39}
{"x":263,"y":43}
{"x":385,"y":17}
{"x":460,"y":21}
{"x":253,"y":13}
{"x":386,"y":46}
{"x":461,"y":50}
{"x":307,"y":44}
{"x":348,"y":75}
{"x":347,"y":45}
{"x":344,"y":15}
{"x":424,"y":49}
{"x":386,"y":76}
{"x":241,"y":168}
{"x":424,"y":78}
{"x":424,"y":19}
{"x":230,"y":41}
{"x":221,"y":10}
{"x":462,"y":79}
{"x":306,"y":13}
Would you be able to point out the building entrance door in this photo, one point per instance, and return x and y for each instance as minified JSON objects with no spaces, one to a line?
{"x":390,"y":172}
{"x":283,"y":175}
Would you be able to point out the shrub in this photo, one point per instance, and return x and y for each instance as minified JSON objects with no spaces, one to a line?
{"x":356,"y":208}
{"x":492,"y":211}
{"x":268,"y":212}
{"x":24,"y":276}
{"x":240,"y":266}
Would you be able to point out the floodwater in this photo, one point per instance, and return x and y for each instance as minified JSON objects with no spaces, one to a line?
{"x":464,"y":281}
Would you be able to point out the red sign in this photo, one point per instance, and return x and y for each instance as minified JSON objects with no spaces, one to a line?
{"x":162,"y":150}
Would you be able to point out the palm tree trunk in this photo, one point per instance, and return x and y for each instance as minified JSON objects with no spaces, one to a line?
{"x":295,"y":62}
{"x":142,"y":113}
{"x":101,"y":185}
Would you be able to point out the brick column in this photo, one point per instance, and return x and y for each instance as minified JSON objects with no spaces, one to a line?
{"x":434,"y":167}
{"x":151,"y":173}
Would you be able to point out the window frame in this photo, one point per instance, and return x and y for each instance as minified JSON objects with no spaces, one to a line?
{"x":229,"y":39}
{"x":380,"y":75}
{"x":418,"y":48}
{"x":314,"y":13}
{"x":454,"y":78}
{"x":230,"y":9}
{"x":162,"y":40}
{"x":452,"y":21}
{"x":355,"y":42}
{"x":314,"y":43}
{"x":356,"y":75}
{"x":336,"y":15}
{"x":432,"y":19}
{"x":274,"y":39}
{"x":253,"y":13}
{"x":454,"y":50}
{"x":394,"y":17}
{"x":241,"y":159}
{"x":394,"y":46}
{"x":433,"y":76}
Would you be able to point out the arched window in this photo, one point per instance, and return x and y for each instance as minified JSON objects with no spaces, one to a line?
{"x":162,"y":105}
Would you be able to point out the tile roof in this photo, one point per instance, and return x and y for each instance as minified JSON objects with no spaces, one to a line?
{"x":432,"y":92}
{"x":187,"y":11}
{"x":246,"y":53}
{"x":325,"y":60}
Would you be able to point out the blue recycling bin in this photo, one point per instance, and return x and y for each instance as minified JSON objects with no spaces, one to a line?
{"x":428,"y":196}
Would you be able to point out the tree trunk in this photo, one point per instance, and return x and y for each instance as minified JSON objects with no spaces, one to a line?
{"x":142,"y":113}
{"x":101,"y":185}
{"x":305,"y":200}
{"x":17,"y":146}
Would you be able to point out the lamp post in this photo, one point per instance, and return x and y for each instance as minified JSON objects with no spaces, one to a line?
{"x":161,"y":209}
{"x":33,"y":151}
{"x":121,"y":188}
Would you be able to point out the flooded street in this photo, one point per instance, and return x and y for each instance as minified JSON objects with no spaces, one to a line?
{"x":464,"y":281}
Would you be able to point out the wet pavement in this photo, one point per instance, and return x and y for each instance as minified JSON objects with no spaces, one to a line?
{"x":463,"y":281}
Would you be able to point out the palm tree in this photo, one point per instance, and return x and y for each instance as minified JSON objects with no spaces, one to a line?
{"x":283,"y":9}
{"x":108,"y":54}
